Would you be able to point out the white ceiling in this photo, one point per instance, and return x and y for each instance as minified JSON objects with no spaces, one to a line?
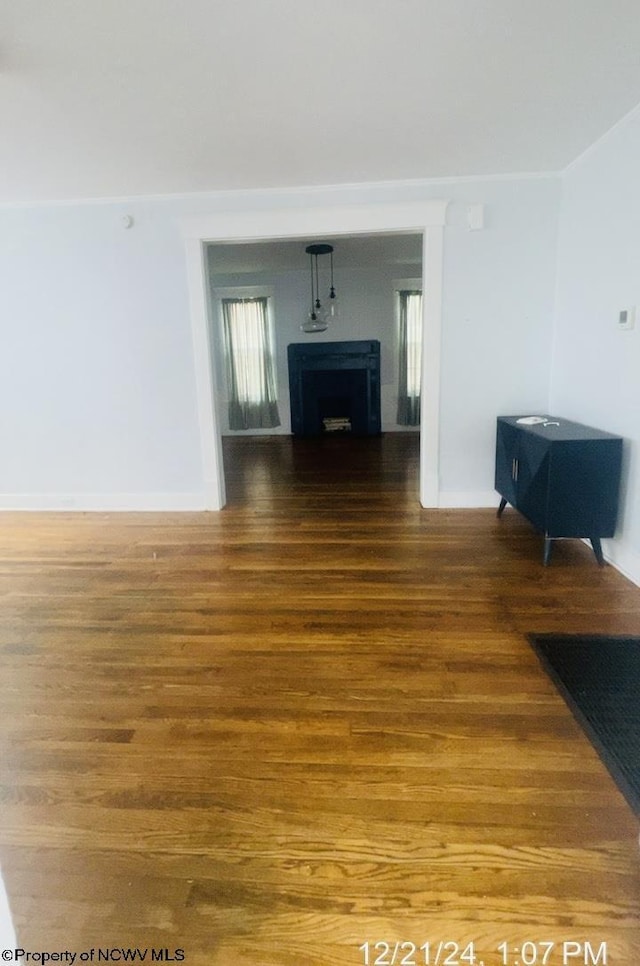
{"x":350,"y":252}
{"x":104,"y":98}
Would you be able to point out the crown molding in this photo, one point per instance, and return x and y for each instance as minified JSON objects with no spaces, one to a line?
{"x":279,"y":195}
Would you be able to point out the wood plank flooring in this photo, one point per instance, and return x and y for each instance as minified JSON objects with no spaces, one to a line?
{"x":271,"y":735}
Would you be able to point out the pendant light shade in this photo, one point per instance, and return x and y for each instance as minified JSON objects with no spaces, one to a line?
{"x":319,"y":315}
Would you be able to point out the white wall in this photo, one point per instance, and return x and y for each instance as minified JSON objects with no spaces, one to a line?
{"x":497,"y":325}
{"x":596,"y":367}
{"x":97,"y":388}
{"x":96,"y":372}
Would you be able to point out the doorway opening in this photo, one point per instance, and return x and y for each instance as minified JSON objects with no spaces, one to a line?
{"x":426,"y":219}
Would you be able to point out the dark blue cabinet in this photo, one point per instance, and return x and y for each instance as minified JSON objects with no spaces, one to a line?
{"x":562,"y":476}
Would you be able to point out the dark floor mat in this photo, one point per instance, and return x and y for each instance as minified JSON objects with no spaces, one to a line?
{"x":599,"y":678}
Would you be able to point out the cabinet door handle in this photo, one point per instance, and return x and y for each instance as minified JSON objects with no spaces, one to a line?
{"x":514,"y":470}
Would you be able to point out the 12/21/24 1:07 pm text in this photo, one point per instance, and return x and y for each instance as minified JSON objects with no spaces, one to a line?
{"x":450,"y":953}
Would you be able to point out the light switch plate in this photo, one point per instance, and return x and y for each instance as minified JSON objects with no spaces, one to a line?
{"x":627,"y":318}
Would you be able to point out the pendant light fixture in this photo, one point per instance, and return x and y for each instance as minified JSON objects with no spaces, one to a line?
{"x":319,"y":316}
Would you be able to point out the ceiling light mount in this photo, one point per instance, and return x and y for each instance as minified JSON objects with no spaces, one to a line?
{"x":320,"y":249}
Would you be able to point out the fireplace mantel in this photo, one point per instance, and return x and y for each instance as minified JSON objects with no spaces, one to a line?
{"x":335,"y":384}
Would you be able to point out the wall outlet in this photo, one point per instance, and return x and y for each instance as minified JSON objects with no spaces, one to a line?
{"x":627,"y":318}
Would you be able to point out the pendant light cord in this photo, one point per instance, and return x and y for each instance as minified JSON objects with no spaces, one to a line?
{"x":312,"y":292}
{"x":317,"y":285}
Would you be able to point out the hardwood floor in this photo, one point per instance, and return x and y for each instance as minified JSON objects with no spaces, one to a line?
{"x":269,"y":736}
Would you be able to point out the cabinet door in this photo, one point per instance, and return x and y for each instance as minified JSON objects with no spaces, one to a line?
{"x":585,"y":476}
{"x":506,"y":456}
{"x":534,"y":459}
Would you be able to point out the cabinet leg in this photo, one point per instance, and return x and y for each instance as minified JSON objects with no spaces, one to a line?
{"x":597,"y":549}
{"x":503,"y":504}
{"x":547,"y":551}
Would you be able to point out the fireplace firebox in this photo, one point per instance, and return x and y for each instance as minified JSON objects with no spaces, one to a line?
{"x":335,"y":387}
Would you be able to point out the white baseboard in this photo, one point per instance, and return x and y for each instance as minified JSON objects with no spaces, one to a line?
{"x":625,"y":560}
{"x":102,"y":502}
{"x":468,"y":500}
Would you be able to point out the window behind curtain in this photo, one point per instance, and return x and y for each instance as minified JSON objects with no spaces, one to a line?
{"x":250,"y":367}
{"x":410,"y":356}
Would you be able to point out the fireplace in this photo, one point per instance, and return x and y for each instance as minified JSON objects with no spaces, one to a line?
{"x":335,"y":387}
